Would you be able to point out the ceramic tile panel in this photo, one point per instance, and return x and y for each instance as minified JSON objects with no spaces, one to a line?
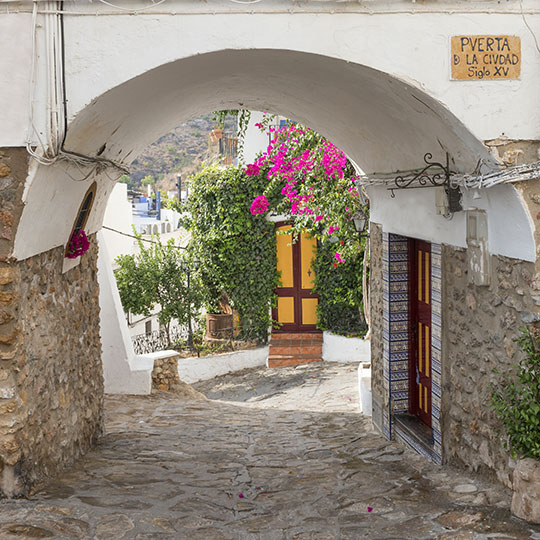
{"x":397,"y":335}
{"x":436,"y":347}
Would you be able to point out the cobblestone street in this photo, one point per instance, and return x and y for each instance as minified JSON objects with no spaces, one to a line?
{"x":272,"y":454}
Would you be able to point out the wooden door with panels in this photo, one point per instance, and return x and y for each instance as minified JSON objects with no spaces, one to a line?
{"x":420,"y":334}
{"x":296,"y":309}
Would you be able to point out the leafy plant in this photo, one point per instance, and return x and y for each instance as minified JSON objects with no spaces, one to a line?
{"x":159,"y":274}
{"x":516,"y":401}
{"x":310,"y":180}
{"x":339,"y":287}
{"x":148,"y":180}
{"x":236,"y":250}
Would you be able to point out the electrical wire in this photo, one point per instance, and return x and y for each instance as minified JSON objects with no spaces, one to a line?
{"x":517,"y":173}
{"x":57,"y":103}
{"x":528,"y":27}
{"x":138,"y":237}
{"x":131,"y":10}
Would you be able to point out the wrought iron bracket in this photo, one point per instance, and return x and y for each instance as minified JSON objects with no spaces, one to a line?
{"x":425,"y":177}
{"x":434,"y":174}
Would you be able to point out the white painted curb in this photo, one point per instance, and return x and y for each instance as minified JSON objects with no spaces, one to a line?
{"x":345,"y":349}
{"x":364,"y":389}
{"x":194,"y":369}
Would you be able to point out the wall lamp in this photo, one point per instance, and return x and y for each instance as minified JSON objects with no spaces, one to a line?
{"x":360,"y":219}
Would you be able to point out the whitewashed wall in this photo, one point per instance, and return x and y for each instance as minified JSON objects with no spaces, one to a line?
{"x":108,"y":50}
{"x":118,"y":216}
{"x":255,"y":140}
{"x":385,"y":97}
{"x":510,"y":230}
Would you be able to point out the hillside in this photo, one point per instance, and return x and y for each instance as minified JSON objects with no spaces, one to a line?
{"x":182,"y":150}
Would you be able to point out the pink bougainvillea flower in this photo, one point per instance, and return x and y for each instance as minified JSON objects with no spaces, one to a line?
{"x":338,"y":258}
{"x":240,"y":495}
{"x":369,"y":509}
{"x":78,"y":245}
{"x":259,"y":125}
{"x":332,"y":229}
{"x":259,"y":205}
{"x":318,"y":218}
{"x":252,"y":169}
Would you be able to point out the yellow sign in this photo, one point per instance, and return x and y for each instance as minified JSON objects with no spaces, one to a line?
{"x":485,"y":57}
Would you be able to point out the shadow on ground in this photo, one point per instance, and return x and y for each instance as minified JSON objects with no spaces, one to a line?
{"x":180,"y":466}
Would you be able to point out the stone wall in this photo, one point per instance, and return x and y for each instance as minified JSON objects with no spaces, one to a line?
{"x":165,"y":372}
{"x":376,"y":314}
{"x":479,"y":328}
{"x":13,"y":172}
{"x":60,"y":380}
{"x":51,"y":382}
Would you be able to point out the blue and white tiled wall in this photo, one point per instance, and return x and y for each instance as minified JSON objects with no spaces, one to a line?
{"x":436,"y":348}
{"x":396,"y":334}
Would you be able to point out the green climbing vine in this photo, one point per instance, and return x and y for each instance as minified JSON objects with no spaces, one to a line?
{"x":235,"y":249}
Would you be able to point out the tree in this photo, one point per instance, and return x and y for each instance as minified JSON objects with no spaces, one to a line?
{"x":160,"y":274}
{"x":148,"y":180}
{"x":126,"y":179}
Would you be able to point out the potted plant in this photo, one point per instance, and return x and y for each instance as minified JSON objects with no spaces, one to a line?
{"x":517,"y":404}
{"x":219,"y":320}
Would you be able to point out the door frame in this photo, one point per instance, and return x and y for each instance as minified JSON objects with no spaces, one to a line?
{"x":297,"y":292}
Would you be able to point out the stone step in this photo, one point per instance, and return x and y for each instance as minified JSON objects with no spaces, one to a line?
{"x":299,"y":336}
{"x":293,"y":349}
{"x":280,"y":348}
{"x":285,"y":361}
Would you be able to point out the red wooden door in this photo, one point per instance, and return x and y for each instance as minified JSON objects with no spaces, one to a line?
{"x":420,"y":340}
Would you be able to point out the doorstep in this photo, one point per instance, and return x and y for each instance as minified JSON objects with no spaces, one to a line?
{"x":294,"y":349}
{"x":413,"y":433}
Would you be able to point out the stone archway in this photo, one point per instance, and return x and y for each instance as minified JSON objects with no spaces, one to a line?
{"x":52,"y":381}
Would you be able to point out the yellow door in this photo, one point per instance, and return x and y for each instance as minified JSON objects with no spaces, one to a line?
{"x":296,"y":305}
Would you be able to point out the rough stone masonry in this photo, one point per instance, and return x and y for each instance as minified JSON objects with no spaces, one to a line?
{"x":51,"y":382}
{"x":479,"y":326}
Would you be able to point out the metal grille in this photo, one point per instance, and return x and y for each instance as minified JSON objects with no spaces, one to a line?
{"x":157,"y":340}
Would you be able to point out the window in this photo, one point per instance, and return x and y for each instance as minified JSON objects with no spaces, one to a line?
{"x":84,"y":212}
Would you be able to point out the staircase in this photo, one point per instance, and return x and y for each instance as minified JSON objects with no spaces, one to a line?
{"x":294,"y":349}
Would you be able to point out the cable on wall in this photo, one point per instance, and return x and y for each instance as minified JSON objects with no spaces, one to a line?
{"x":528,"y":26}
{"x":53,"y":149}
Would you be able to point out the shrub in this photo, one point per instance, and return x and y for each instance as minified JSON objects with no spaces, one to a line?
{"x":339,"y":287}
{"x":517,"y":400}
{"x":235,"y":249}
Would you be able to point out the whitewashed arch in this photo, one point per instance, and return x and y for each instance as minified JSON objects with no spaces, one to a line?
{"x":383,"y":123}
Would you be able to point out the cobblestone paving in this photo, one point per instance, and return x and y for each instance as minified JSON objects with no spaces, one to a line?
{"x":283,"y":454}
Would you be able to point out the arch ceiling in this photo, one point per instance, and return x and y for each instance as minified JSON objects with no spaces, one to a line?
{"x":383,"y":123}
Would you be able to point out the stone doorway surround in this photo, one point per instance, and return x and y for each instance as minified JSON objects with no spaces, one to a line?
{"x":395,"y":285}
